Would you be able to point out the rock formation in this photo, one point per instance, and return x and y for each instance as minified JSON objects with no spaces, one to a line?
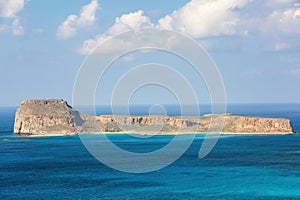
{"x":46,"y":116}
{"x":56,"y":117}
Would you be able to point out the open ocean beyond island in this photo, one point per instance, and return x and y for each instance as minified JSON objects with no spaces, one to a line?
{"x":239,"y":167}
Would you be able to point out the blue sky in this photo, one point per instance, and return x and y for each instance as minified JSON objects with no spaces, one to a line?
{"x":255,"y":44}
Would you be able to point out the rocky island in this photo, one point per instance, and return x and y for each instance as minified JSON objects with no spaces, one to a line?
{"x":56,"y":117}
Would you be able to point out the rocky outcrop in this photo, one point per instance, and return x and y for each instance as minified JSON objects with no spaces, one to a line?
{"x":177,"y":122}
{"x":45,"y":117}
{"x":56,"y":117}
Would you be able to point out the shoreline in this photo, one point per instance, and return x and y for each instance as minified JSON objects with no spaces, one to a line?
{"x":145,"y":134}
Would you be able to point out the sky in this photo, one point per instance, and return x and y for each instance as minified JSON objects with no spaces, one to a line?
{"x":255,"y":45}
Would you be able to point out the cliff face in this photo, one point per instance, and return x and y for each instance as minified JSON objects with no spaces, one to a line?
{"x":146,"y":120}
{"x":46,"y":117}
{"x":242,"y":124}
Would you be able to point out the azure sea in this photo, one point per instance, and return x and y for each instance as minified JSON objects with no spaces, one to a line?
{"x":238,"y":167}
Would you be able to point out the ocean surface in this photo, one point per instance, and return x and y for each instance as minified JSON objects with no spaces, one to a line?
{"x":239,"y":167}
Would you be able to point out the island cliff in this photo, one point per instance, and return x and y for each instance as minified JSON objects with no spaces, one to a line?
{"x":56,"y":117}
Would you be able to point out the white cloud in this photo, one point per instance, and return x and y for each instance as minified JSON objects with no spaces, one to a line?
{"x":203,"y":18}
{"x":284,"y":22}
{"x":284,"y":1}
{"x":130,"y":21}
{"x":9,"y":8}
{"x":124,"y":23}
{"x":273,"y":25}
{"x":274,"y":2}
{"x":17,"y":29}
{"x":73,"y":22}
{"x":67,"y":28}
{"x":197,"y":18}
{"x":278,"y":30}
{"x":277,"y":22}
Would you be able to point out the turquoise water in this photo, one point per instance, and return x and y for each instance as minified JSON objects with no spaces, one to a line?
{"x":239,"y":167}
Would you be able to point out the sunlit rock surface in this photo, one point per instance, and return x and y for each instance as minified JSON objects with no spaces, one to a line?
{"x":56,"y":117}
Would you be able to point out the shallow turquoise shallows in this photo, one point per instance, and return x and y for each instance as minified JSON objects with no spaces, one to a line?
{"x":239,"y":167}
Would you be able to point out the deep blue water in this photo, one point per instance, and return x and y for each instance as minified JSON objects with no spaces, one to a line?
{"x":239,"y":167}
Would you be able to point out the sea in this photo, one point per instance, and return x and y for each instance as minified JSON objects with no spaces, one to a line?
{"x":238,"y":167}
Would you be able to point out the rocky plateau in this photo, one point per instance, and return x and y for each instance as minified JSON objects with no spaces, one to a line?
{"x":56,"y":117}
